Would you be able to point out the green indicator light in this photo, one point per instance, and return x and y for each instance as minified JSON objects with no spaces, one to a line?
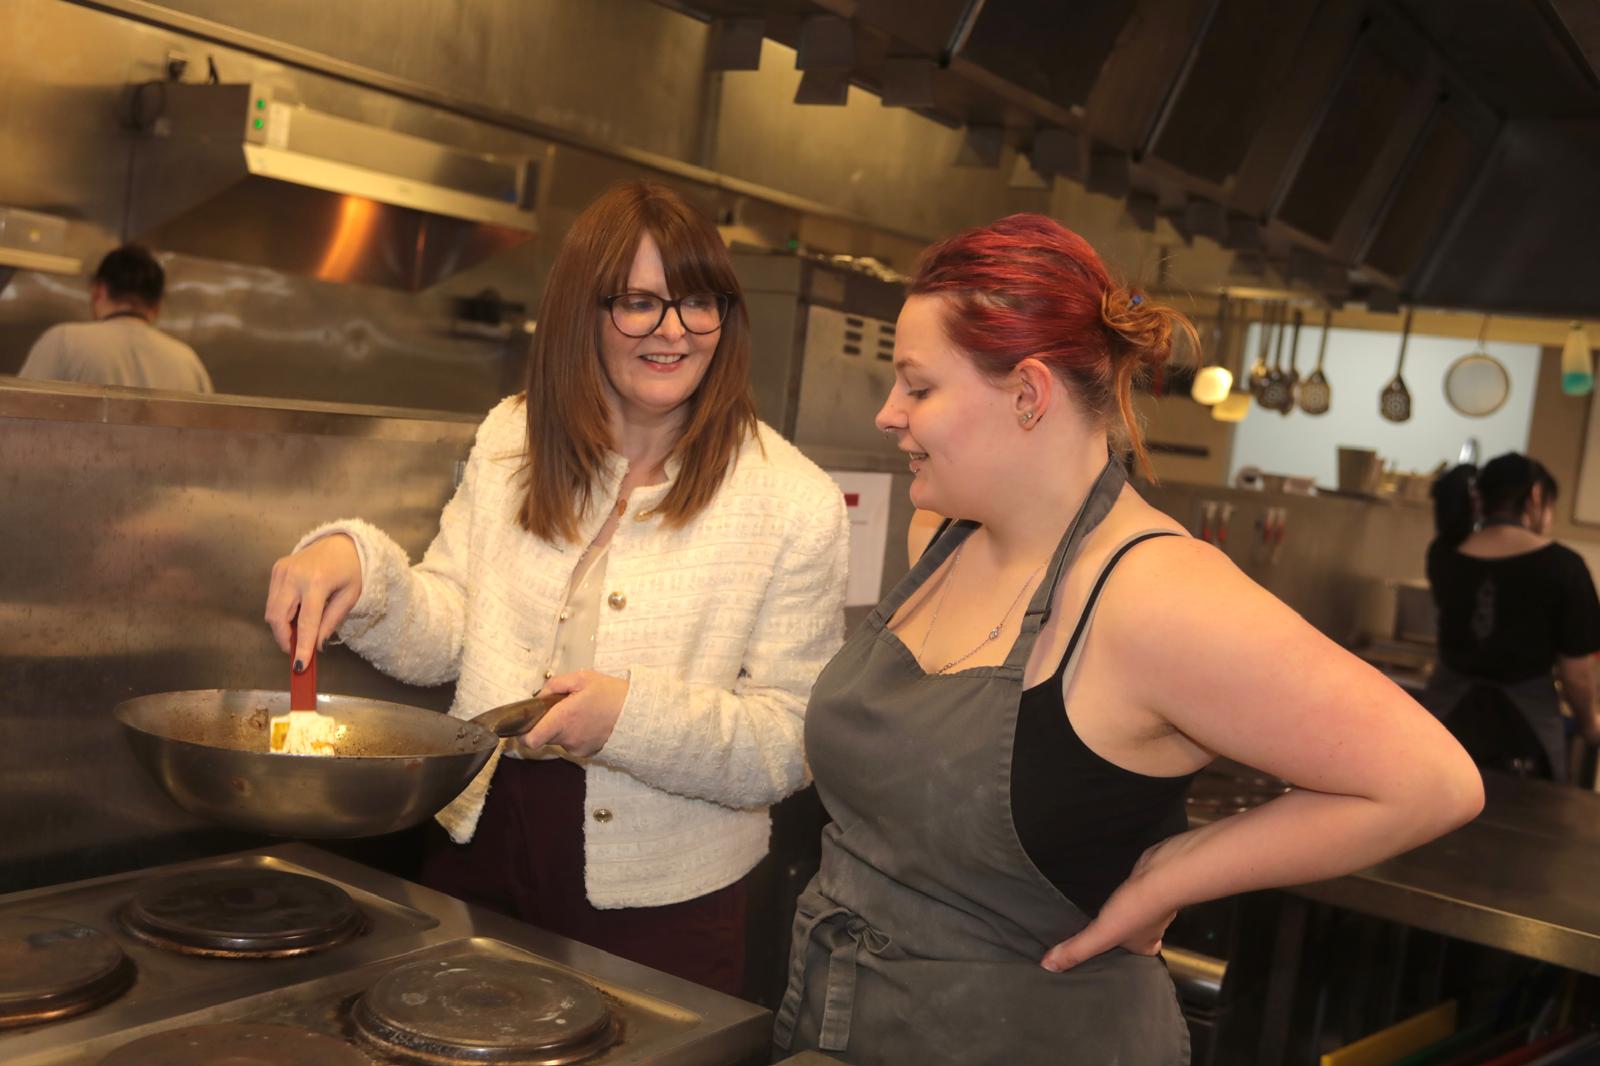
{"x":261,"y":104}
{"x":259,"y":124}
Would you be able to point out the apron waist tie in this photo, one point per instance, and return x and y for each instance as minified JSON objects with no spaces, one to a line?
{"x":839,"y":997}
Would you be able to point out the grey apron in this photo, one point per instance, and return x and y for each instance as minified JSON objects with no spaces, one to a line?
{"x":1535,"y":698}
{"x":919,"y":939}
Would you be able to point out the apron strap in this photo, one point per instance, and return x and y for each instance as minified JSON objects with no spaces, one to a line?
{"x":1102,"y":497}
{"x":838,"y":1000}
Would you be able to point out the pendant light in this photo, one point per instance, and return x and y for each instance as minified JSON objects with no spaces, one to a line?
{"x":1212,"y":383}
{"x":1577,"y":362}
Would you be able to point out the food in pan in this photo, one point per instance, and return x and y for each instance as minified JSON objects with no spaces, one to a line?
{"x":306,"y":733}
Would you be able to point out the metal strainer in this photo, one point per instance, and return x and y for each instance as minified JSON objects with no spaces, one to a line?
{"x":1477,"y":384}
{"x":1316,"y":395}
{"x":1394,"y":403}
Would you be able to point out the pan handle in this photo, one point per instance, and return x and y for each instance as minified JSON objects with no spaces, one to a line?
{"x":512,"y":719}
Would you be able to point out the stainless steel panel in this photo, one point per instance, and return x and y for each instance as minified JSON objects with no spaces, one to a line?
{"x":140,"y":532}
{"x":265,"y":333}
{"x":848,"y":374}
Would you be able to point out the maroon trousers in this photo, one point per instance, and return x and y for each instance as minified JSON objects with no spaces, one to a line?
{"x":526,"y":861}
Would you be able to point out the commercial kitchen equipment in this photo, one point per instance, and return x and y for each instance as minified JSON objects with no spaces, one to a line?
{"x":325,"y":961}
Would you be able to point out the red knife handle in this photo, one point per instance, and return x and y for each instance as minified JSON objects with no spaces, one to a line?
{"x":302,"y":685}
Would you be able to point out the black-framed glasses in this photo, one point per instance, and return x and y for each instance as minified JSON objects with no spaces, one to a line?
{"x":639,"y":314}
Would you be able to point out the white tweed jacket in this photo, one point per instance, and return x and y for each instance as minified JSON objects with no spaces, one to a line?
{"x":720,"y":628}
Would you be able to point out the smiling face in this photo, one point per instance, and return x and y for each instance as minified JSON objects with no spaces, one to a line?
{"x":957,"y":426}
{"x":650,"y":377}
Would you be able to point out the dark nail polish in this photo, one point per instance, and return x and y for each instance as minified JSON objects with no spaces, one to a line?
{"x":299,"y":667}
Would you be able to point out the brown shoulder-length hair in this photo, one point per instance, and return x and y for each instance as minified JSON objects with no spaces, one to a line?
{"x":569,"y":422}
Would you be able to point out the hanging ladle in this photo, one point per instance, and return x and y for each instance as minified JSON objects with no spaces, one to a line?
{"x":1275,"y":395}
{"x":1394,"y":403}
{"x":1291,"y":377}
{"x":1315,"y":394}
{"x":1258,"y":370}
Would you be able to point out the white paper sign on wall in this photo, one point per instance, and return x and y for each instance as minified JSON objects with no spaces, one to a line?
{"x":866,"y":495}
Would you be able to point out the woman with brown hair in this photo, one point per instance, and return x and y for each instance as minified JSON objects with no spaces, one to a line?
{"x":628,"y":534}
{"x":1005,"y":744}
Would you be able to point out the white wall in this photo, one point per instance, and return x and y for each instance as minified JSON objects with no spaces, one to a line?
{"x":1359,"y":364}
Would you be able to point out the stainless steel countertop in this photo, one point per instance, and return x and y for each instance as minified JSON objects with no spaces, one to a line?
{"x":1520,"y":877}
{"x":64,"y":401}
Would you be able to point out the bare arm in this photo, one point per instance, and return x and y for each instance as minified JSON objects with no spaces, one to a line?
{"x":1243,"y":676}
{"x":1577,"y":688}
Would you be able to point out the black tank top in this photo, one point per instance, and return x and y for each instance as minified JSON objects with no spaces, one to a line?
{"x":1084,"y":821}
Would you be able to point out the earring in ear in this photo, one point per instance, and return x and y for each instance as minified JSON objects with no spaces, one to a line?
{"x":1027,"y":416}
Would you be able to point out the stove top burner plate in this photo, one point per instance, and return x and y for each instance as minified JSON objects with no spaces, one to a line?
{"x":243,"y":913}
{"x":53,"y":968}
{"x":237,"y":1045}
{"x":465,"y":1010}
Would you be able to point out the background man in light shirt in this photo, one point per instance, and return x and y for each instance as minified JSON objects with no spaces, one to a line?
{"x":121,"y":346}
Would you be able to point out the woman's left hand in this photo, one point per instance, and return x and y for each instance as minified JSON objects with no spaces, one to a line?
{"x":1126,"y":921}
{"x":581,"y":723}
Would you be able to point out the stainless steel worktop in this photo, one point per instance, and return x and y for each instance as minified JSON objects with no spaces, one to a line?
{"x":1520,"y":877}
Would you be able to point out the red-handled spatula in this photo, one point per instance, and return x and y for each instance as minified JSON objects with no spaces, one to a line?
{"x":302,"y":731}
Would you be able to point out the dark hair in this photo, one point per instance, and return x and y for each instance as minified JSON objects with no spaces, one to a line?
{"x":132,"y":274}
{"x":1026,"y":286}
{"x":1455,"y":503}
{"x":1501,"y":489}
{"x":569,"y":423}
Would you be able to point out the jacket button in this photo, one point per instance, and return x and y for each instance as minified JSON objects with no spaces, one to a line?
{"x":644,"y":515}
{"x":548,"y":674}
{"x":602,"y":815}
{"x":617,"y":601}
{"x":564,"y":615}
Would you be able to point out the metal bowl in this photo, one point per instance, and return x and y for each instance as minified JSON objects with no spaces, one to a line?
{"x":397,"y":766}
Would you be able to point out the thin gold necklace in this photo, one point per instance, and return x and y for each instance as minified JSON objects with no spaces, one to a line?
{"x":992,"y":635}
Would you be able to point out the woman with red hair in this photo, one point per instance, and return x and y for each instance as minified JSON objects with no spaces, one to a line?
{"x":1005,"y":744}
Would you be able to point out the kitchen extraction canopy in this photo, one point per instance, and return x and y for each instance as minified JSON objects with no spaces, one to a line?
{"x":31,"y":241}
{"x":230,"y":172}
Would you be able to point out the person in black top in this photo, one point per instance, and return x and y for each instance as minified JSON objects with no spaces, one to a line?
{"x":1513,"y":605}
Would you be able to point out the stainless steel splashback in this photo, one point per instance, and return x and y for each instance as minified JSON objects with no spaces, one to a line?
{"x":262,"y":332}
{"x":140,"y":530}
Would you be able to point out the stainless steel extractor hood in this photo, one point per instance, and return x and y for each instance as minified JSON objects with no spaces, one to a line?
{"x":31,"y":241}
{"x":232,"y":172}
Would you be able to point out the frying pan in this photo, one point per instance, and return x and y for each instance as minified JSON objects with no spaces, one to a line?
{"x":395,"y":767}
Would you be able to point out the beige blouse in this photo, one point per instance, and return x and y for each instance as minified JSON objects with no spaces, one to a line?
{"x":574,"y":638}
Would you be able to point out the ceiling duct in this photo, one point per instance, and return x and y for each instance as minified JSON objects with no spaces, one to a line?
{"x":1416,"y":153}
{"x":231,"y":172}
